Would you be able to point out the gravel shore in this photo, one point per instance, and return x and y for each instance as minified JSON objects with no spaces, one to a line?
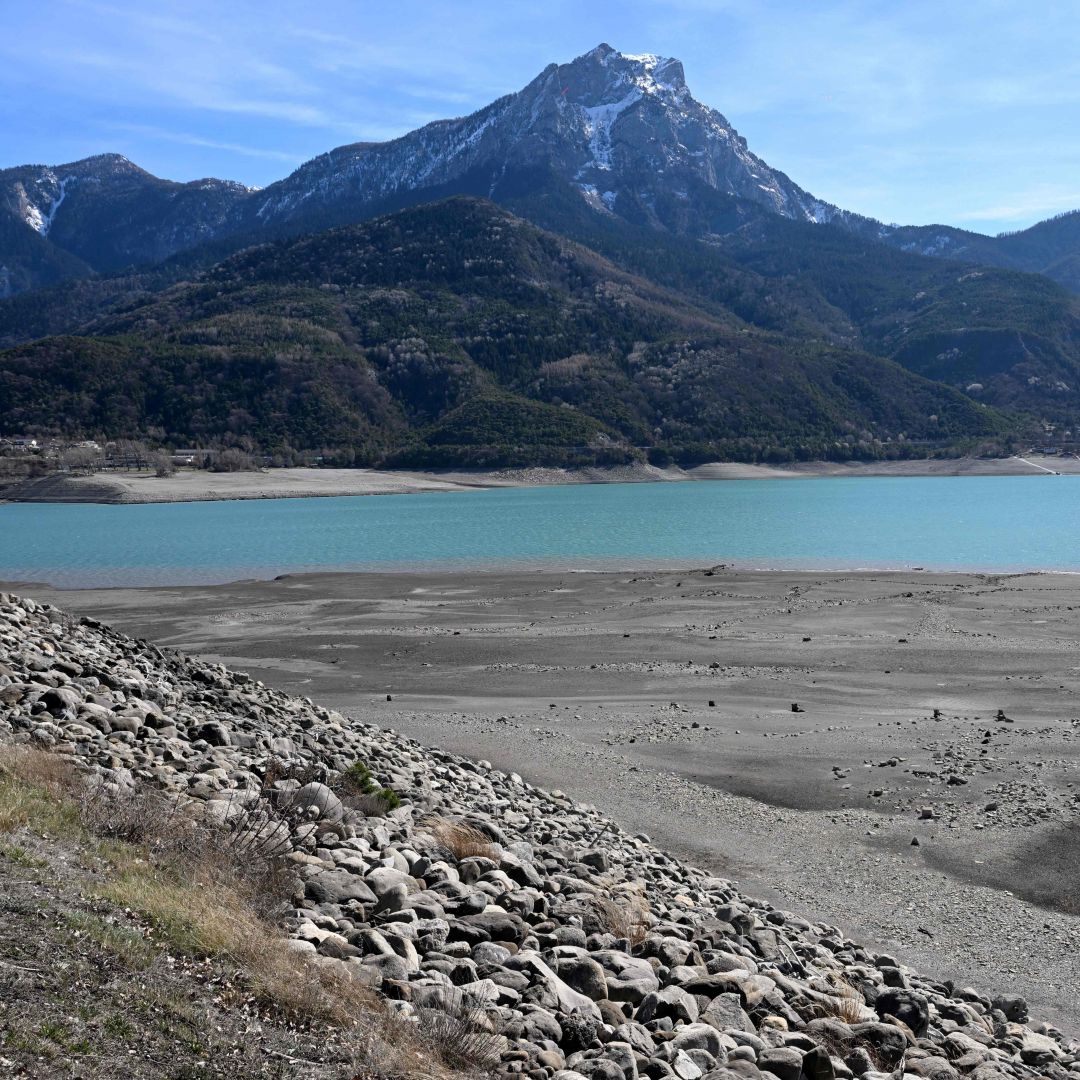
{"x":600,"y":684}
{"x":561,"y":946}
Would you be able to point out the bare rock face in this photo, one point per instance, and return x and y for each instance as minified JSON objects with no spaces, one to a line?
{"x":623,"y":130}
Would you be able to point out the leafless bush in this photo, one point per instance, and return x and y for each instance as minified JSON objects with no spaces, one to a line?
{"x":233,"y":460}
{"x":461,"y":1038}
{"x":459,"y":839}
{"x":160,"y":823}
{"x":82,"y":459}
{"x":162,"y":464}
{"x":240,"y":845}
{"x":258,"y":824}
{"x":624,"y":912}
{"x":259,"y":831}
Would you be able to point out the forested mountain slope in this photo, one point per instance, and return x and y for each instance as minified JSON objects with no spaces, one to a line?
{"x":458,"y":333}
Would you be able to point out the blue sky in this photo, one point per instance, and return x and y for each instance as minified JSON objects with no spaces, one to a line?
{"x":911,"y":111}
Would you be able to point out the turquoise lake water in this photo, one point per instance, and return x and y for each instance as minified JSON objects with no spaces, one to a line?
{"x":963,"y":523}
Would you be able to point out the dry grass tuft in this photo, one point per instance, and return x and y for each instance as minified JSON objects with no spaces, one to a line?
{"x":625,"y":912}
{"x":842,"y":1002}
{"x":459,"y":839}
{"x":849,"y":1008}
{"x":202,"y":916}
{"x":205,"y":916}
{"x":461,"y":1038}
{"x":32,"y":789}
{"x":54,"y":772}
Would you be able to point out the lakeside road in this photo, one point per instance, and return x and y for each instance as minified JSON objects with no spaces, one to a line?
{"x":600,"y":684}
{"x":198,"y":485}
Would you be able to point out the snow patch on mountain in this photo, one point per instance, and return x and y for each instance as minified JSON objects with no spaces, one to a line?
{"x":34,"y":218}
{"x":604,"y":201}
{"x":40,"y":199}
{"x":46,"y":225}
{"x":659,"y":74}
{"x":599,"y":120}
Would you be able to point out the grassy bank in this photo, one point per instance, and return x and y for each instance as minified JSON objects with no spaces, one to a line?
{"x":138,"y":939}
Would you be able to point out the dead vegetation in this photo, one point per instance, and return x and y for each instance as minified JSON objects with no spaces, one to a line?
{"x":846,"y":1004}
{"x":459,"y":839}
{"x":624,"y":912}
{"x":206,"y":887}
{"x":837,"y":999}
{"x":462,"y":1036}
{"x":31,"y":785}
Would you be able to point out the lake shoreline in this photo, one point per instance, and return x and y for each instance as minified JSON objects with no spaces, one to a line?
{"x":200,"y":486}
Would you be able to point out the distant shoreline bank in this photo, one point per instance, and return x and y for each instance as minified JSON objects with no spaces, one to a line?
{"x":199,"y":486}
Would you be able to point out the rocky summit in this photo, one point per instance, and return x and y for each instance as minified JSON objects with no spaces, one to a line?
{"x":588,"y":952}
{"x":623,"y":130}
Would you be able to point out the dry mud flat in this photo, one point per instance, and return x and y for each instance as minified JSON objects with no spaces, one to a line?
{"x":600,"y":684}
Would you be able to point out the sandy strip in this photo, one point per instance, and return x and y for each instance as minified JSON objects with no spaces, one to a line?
{"x":196,"y":485}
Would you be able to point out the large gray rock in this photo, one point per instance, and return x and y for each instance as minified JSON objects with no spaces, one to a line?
{"x":672,"y":1002}
{"x":319,"y":803}
{"x":491,"y":924}
{"x":569,"y":1000}
{"x":702,"y":1036}
{"x":61,"y":700}
{"x":782,"y":1061}
{"x":338,"y":887}
{"x":725,"y":1013}
{"x":629,"y":978}
{"x":213,"y":732}
{"x":585,"y":975}
{"x":905,"y":1005}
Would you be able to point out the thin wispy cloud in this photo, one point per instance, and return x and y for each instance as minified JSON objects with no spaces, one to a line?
{"x":187,"y":139}
{"x":1040,"y":201}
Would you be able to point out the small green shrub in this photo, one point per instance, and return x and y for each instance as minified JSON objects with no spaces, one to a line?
{"x":366,"y":792}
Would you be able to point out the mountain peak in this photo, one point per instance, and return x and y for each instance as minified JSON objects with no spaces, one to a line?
{"x":595,"y":76}
{"x":109,"y":163}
